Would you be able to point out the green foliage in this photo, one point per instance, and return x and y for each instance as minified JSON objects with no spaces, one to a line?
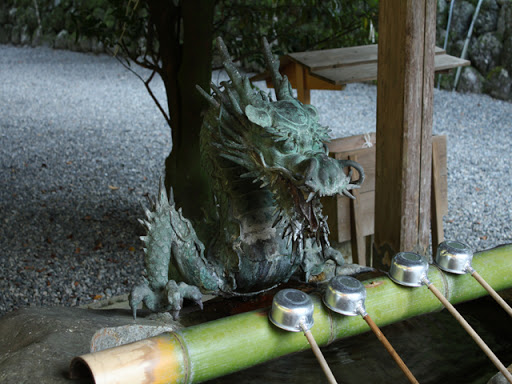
{"x":122,"y":25}
{"x":293,"y":25}
{"x":289,"y":26}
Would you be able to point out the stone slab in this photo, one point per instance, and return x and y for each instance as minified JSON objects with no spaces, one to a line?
{"x":37,"y":344}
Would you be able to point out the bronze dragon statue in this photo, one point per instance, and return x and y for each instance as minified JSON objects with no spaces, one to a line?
{"x":268,"y":165}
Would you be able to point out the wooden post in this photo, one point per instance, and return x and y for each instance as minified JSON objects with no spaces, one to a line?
{"x":404,"y":127}
{"x":437,"y":203}
{"x":303,"y":92}
{"x":358,"y":241}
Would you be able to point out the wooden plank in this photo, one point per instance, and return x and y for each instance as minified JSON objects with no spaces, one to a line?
{"x":366,"y":157}
{"x":436,"y":209}
{"x":340,"y":57}
{"x":427,"y":117}
{"x":358,"y":242}
{"x":343,"y":221}
{"x":441,"y":173}
{"x":368,"y":71}
{"x":351,"y":143}
{"x":330,"y":208}
{"x":329,"y":58}
{"x":439,"y":51}
{"x":313,"y":82}
{"x":346,"y":75}
{"x":446,"y":62}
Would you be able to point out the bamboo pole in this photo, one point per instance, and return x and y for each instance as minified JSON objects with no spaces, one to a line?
{"x":220,"y":347}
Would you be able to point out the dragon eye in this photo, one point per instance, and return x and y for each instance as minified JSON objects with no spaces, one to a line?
{"x":288,"y":146}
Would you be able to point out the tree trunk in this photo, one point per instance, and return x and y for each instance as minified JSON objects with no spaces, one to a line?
{"x":185,"y":36}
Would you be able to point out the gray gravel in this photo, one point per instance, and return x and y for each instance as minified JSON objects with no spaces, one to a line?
{"x":82,"y":143}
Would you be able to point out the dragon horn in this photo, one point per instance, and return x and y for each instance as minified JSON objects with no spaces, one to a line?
{"x":171,"y":196}
{"x":223,"y":49}
{"x":281,"y":84}
{"x":235,"y":76}
{"x":162,"y":195}
{"x":208,"y":97}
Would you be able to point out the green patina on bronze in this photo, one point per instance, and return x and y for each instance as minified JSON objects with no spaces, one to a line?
{"x":267,"y":166}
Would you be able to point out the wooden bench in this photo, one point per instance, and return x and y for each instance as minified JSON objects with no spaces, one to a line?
{"x":332,"y":69}
{"x":353,"y":220}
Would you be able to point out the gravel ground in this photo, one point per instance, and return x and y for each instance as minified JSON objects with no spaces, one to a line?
{"x":82,"y":144}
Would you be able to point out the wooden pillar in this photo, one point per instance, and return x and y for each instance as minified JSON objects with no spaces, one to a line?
{"x":404,"y":127}
{"x":303,"y":92}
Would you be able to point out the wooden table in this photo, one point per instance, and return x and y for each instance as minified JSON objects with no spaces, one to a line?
{"x":332,"y":69}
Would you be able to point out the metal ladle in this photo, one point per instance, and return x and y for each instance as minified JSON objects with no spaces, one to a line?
{"x":455,"y":257}
{"x":410,"y":269}
{"x":346,"y":295}
{"x":292,"y":310}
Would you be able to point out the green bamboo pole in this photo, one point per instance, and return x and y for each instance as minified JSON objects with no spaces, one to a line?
{"x":234,"y":343}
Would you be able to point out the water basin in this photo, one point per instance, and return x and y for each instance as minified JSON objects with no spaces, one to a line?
{"x":434,"y":347}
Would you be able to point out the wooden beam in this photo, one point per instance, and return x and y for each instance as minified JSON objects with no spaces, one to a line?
{"x":404,"y":127}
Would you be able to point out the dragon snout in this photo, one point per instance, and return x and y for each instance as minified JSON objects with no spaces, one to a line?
{"x":325,"y":176}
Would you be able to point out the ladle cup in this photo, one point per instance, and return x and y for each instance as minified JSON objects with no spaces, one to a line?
{"x":292,"y":310}
{"x":410,"y":269}
{"x":346,"y":295}
{"x":455,"y":257}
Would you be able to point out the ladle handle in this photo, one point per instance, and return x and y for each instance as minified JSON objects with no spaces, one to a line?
{"x":390,"y":349}
{"x":319,"y":356}
{"x":471,"y":332}
{"x":492,"y":292}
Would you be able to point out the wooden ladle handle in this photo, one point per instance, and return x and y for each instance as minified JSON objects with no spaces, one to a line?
{"x":390,"y":349}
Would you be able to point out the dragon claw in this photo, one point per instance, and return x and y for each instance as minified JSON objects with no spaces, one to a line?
{"x":176,"y":293}
{"x":167,"y":298}
{"x":138,"y":294}
{"x":352,"y":269}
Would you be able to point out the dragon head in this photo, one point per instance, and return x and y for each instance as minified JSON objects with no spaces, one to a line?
{"x":279,"y":143}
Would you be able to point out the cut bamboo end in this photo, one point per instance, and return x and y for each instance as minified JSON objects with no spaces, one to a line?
{"x":157,"y":360}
